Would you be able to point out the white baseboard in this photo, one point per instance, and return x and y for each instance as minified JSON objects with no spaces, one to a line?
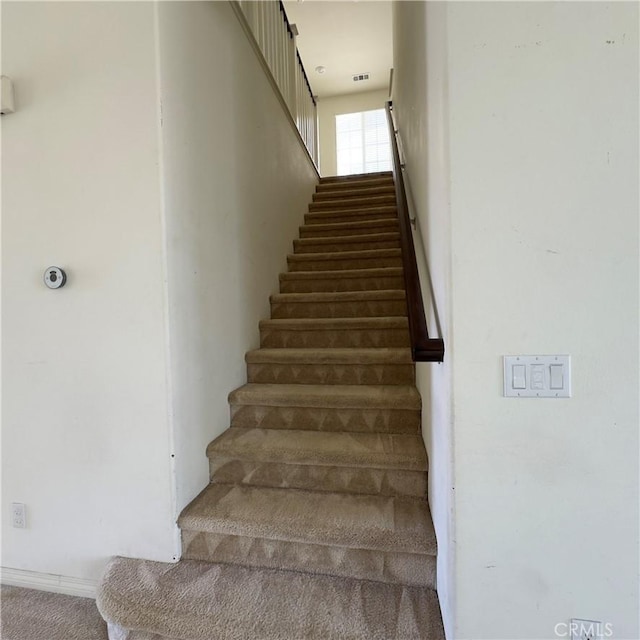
{"x":48,"y":582}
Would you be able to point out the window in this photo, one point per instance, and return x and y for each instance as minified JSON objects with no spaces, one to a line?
{"x":362,"y":142}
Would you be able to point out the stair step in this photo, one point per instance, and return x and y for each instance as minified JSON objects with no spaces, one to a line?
{"x":343,"y":214}
{"x":357,"y":177}
{"x":353,"y":408}
{"x":359,"y":191}
{"x":355,"y":203}
{"x":265,"y":553}
{"x":384,"y":538}
{"x":330,"y":366}
{"x":351,"y":228}
{"x":319,"y":333}
{"x":345,"y":280}
{"x":378,"y":523}
{"x":339,"y":396}
{"x":363,"y":463}
{"x":349,"y":243}
{"x":339,"y":304}
{"x":385,"y":482}
{"x":330,"y":261}
{"x":315,"y":448}
{"x":201,"y":600}
{"x":384,"y":181}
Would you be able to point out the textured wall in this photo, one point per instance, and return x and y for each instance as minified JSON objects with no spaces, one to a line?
{"x":541,"y":151}
{"x":420,"y":102}
{"x":85,"y":423}
{"x":149,"y":157}
{"x":237,"y":185}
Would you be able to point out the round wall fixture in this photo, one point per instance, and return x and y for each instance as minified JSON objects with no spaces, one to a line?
{"x":321,"y":69}
{"x":54,"y":277}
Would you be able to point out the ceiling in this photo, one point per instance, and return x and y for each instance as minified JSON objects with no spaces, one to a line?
{"x":346,"y":37}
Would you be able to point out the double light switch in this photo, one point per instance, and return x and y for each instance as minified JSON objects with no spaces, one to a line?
{"x":537,"y":376}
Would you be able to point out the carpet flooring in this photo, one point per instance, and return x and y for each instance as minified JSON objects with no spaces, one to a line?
{"x":27,"y":614}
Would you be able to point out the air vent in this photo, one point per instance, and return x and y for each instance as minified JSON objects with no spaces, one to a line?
{"x":360,"y":76}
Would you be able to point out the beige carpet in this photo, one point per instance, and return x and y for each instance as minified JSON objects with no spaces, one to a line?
{"x":315,"y":524}
{"x":38,"y":615}
{"x":203,"y":601}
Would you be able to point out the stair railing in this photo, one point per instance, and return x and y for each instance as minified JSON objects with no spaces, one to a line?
{"x":423,"y":348}
{"x":266,"y":23}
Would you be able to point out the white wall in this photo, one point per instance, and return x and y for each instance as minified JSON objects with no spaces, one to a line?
{"x":150,"y":158}
{"x":421,"y":113}
{"x":329,"y":108}
{"x":237,"y":184}
{"x":542,"y":123}
{"x":85,"y":427}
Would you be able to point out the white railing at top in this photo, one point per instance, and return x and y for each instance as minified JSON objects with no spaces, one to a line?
{"x":276,"y":40}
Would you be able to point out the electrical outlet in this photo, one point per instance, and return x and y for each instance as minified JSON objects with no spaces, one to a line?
{"x":19,"y":515}
{"x":586,"y":629}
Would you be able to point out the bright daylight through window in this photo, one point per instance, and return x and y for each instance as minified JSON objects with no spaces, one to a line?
{"x":362,"y":142}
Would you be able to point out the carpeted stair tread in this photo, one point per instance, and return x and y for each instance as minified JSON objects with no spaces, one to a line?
{"x":342,"y":273}
{"x":346,"y":324}
{"x":350,"y":182}
{"x":338,"y":296}
{"x":344,"y":255}
{"x":355,"y":191}
{"x":329,"y":356}
{"x":386,"y":200}
{"x":355,"y":214}
{"x":303,"y":256}
{"x":194,"y":600}
{"x":376,"y":279}
{"x":265,"y":553}
{"x":357,"y":177}
{"x":361,"y":259}
{"x":379,"y":523}
{"x":349,"y":228}
{"x":287,"y":415}
{"x":404,"y":398}
{"x":354,"y":183}
{"x":322,"y":333}
{"x":372,"y":308}
{"x":360,"y":188}
{"x":330,"y":366}
{"x":335,"y":479}
{"x":390,"y":240}
{"x":374,"y":450}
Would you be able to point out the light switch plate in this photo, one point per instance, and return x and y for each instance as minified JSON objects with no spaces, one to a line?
{"x":544,"y":376}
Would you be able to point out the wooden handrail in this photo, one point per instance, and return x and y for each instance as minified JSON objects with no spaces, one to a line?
{"x":423,"y":348}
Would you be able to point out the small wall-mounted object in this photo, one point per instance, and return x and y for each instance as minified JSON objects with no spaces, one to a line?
{"x":6,"y":96}
{"x":537,"y":376}
{"x":19,"y":515}
{"x":54,"y":277}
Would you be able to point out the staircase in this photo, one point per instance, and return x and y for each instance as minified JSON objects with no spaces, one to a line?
{"x":315,"y":524}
